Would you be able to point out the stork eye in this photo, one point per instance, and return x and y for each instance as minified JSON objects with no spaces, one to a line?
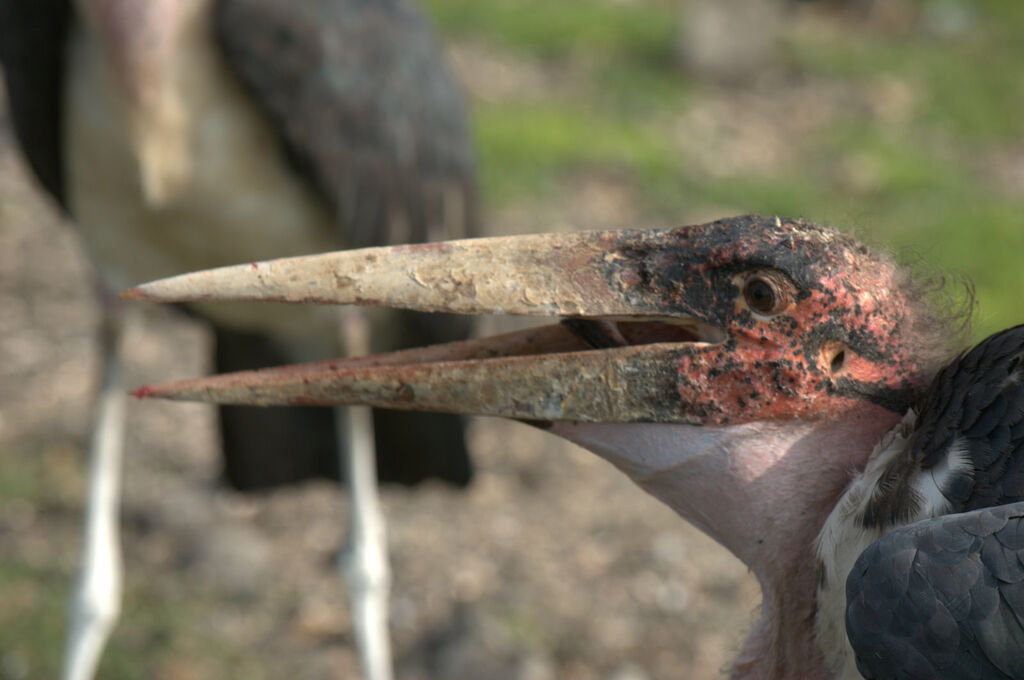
{"x":762,"y":296}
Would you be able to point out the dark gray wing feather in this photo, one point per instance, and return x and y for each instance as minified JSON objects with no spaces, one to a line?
{"x":977,"y":405}
{"x":943,"y":598}
{"x":366,"y":110}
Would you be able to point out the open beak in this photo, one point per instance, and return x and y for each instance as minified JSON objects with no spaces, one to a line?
{"x":614,"y":358}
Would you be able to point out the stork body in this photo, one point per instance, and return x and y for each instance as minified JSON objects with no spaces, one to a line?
{"x":184,"y":134}
{"x":923,"y":558}
{"x":772,"y":381}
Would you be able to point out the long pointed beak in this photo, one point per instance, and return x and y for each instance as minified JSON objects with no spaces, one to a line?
{"x":614,"y":361}
{"x":570,"y":274}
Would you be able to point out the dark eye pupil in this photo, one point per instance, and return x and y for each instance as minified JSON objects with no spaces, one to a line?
{"x":760,"y":296}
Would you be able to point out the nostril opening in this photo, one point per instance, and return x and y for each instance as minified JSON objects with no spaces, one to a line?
{"x":838,"y":359}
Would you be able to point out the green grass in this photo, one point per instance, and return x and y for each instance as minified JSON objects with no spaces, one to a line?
{"x":32,"y":621}
{"x":966,"y":85}
{"x":524,"y":148}
{"x":928,"y":188}
{"x":157,"y":632}
{"x":549,"y":30}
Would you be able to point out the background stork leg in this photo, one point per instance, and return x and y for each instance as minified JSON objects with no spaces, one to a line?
{"x":364,"y":561}
{"x":96,"y":602}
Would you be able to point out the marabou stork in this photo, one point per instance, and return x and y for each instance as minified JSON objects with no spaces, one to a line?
{"x":776,"y":383}
{"x":184,"y":134}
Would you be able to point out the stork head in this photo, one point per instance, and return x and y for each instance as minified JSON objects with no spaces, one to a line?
{"x":739,"y":320}
{"x":739,"y":370}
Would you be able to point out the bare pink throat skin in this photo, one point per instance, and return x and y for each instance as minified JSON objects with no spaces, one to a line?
{"x":763,"y":490}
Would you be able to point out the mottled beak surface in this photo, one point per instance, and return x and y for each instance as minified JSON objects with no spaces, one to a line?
{"x":612,"y":360}
{"x":711,"y":324}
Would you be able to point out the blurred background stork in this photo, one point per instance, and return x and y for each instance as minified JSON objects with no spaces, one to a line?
{"x":898,"y":120}
{"x":193,"y":133}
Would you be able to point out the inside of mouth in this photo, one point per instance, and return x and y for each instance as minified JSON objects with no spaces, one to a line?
{"x":606,"y":333}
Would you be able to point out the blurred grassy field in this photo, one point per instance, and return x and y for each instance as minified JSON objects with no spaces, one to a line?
{"x":916,"y":137}
{"x":908,"y":130}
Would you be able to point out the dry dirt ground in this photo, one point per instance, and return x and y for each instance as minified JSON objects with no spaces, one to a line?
{"x":552,"y":565}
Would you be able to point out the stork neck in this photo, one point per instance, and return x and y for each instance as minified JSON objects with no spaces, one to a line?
{"x":763,"y":490}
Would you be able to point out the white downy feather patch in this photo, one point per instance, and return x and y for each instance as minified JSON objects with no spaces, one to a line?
{"x":841,"y":541}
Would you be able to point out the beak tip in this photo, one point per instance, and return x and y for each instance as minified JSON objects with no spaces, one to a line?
{"x":143,"y":392}
{"x":136,"y":293}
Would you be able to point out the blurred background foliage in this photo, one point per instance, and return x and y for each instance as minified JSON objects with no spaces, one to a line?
{"x":901,"y":120}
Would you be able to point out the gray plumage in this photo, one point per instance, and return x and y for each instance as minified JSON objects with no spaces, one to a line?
{"x":367,"y":113}
{"x":380,"y":130}
{"x":943,"y":598}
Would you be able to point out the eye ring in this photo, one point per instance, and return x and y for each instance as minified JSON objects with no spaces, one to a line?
{"x":762,"y":296}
